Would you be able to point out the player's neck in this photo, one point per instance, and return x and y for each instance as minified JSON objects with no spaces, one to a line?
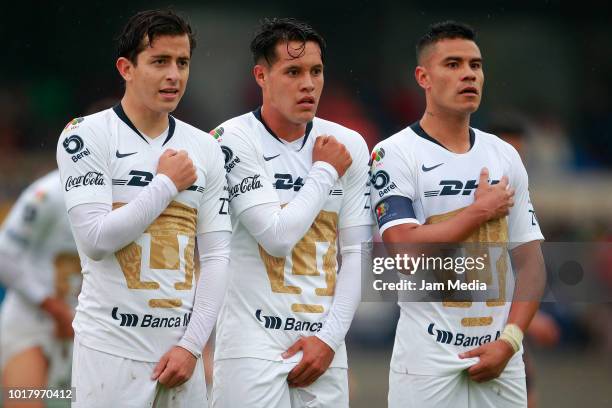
{"x":149,"y":122}
{"x":451,"y":130}
{"x":288,"y":131}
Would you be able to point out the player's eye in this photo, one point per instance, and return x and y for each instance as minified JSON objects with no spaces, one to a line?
{"x":183,"y":63}
{"x":292,"y":72}
{"x":159,"y":61}
{"x":453,"y":64}
{"x":317,"y":71}
{"x":476,"y":65}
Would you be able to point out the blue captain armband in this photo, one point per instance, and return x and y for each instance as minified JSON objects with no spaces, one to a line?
{"x":394,"y":210}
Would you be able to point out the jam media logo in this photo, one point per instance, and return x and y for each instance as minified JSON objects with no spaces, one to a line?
{"x":230,"y":160}
{"x":91,"y":178}
{"x":74,"y":145}
{"x":460,"y":339}
{"x":247,"y":184}
{"x":270,"y":322}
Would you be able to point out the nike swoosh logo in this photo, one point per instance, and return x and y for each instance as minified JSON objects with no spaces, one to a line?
{"x":122,"y":155}
{"x":271,"y":157}
{"x":430,"y":168}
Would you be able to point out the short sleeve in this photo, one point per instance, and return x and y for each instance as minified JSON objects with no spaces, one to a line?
{"x":356,"y":204}
{"x":522,"y":221}
{"x":248,"y":183}
{"x":82,"y":158}
{"x":392,"y":187}
{"x":213,"y":214}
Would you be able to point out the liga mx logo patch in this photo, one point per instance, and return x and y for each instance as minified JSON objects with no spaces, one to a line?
{"x":217,"y":133}
{"x":377,"y":156}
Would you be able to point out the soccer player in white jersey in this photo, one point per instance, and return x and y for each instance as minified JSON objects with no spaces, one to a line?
{"x":40,"y":267}
{"x":136,"y":204}
{"x":430,"y":184}
{"x":297,"y":183}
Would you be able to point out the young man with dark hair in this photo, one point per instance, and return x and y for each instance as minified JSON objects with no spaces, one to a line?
{"x":137,"y":204}
{"x":293,"y":190}
{"x":424,"y":190}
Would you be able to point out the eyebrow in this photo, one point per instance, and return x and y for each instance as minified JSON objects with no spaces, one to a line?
{"x":455,"y":58}
{"x":166,"y":56}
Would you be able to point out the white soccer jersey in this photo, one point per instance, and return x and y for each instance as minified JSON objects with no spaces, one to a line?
{"x":37,"y":231}
{"x":136,"y":303}
{"x":273,"y":301}
{"x":416,"y":180}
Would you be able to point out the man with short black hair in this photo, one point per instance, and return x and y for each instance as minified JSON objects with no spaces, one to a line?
{"x":440,"y":181}
{"x":137,"y":203}
{"x":293,"y":191}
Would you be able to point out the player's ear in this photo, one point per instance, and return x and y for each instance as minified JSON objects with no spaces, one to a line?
{"x":259,"y":72}
{"x":422,"y":77}
{"x":124,"y":66}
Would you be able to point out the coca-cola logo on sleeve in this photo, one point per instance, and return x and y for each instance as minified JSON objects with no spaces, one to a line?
{"x":91,"y":178}
{"x":247,"y":184}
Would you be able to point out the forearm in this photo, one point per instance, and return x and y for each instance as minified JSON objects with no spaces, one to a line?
{"x":348,"y":287}
{"x":528,"y":263}
{"x":455,"y":229}
{"x":278,"y":229}
{"x":214,"y":250}
{"x":100,"y":231}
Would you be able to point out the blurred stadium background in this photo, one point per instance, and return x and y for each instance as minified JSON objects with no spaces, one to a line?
{"x":548,"y":65}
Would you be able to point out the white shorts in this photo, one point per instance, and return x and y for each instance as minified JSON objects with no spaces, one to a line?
{"x":253,"y":383}
{"x":24,"y":326}
{"x":456,"y":391}
{"x":104,"y":380}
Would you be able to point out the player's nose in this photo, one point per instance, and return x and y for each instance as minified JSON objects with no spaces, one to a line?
{"x":172,"y":74}
{"x":308,"y":83}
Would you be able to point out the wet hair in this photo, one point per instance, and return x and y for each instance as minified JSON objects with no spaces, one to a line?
{"x":283,"y":30}
{"x":143,"y":27}
{"x":443,"y":31}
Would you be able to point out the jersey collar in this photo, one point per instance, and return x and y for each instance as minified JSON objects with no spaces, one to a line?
{"x":257,"y":114}
{"x":121,"y":113}
{"x":416,"y":128}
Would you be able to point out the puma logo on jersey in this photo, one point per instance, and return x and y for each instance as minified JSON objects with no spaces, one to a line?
{"x":459,"y":339}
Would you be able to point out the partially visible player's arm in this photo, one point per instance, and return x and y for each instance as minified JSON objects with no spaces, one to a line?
{"x":530,"y":276}
{"x":213,"y":239}
{"x":277,"y":229}
{"x":491,"y":201}
{"x":214,"y":250}
{"x":99,"y":230}
{"x":348,"y":287}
